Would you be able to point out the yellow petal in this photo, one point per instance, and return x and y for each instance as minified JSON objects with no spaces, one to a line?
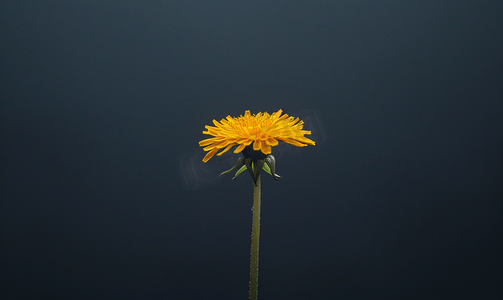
{"x":225,"y":150}
{"x":272,"y":141}
{"x":210,"y":147}
{"x":206,"y":142}
{"x":303,"y":139}
{"x":239,"y":148}
{"x":294,"y":142}
{"x":266,"y":149}
{"x":257,"y":145}
{"x":210,"y":155}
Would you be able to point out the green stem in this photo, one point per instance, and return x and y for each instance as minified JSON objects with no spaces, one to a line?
{"x":254,"y":242}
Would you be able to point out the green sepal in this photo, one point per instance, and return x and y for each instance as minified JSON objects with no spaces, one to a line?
{"x":267,"y":169}
{"x":268,"y":164}
{"x":239,"y":163}
{"x":241,"y":170}
{"x":271,"y":162}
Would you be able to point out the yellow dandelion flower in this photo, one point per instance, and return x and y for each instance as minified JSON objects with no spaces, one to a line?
{"x":262,"y":129}
{"x":254,"y":135}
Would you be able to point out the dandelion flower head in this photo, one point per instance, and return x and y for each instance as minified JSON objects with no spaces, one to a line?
{"x":262,"y":129}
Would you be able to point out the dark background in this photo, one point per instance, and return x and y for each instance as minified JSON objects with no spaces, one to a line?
{"x":103,"y":195}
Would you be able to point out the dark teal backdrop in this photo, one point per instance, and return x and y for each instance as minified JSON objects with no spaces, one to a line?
{"x":103,"y":194}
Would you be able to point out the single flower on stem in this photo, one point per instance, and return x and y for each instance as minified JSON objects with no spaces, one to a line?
{"x":254,"y":135}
